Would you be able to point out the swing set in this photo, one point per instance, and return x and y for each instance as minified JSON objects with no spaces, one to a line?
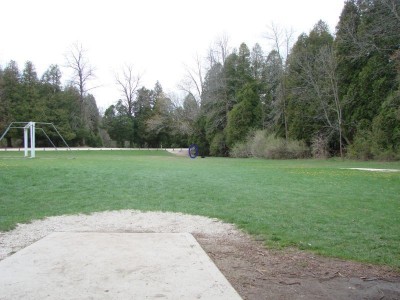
{"x":30,"y":135}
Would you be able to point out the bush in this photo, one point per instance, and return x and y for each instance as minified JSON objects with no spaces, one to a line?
{"x":388,"y":155}
{"x":320,"y":146}
{"x":365,"y":148}
{"x":94,"y":140}
{"x":257,"y":143}
{"x":218,"y":145}
{"x":260,"y":144}
{"x":278,"y":148}
{"x":361,"y":147}
{"x":379,"y":139}
{"x":240,"y":150}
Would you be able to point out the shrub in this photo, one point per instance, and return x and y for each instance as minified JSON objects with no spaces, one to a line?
{"x":279,"y":148}
{"x":361,"y":147}
{"x":319,"y":146}
{"x":260,"y":144}
{"x":388,"y":155}
{"x":257,"y":143}
{"x":218,"y":145}
{"x":240,"y":150}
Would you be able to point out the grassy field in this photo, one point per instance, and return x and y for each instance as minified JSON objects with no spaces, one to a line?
{"x":309,"y":204}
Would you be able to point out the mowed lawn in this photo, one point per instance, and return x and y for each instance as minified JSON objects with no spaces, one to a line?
{"x":310,"y":204}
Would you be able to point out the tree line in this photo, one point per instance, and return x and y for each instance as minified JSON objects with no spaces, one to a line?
{"x":322,"y":94}
{"x":24,"y":97}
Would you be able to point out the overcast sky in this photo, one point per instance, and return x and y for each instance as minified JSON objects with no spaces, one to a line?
{"x":157,"y":37}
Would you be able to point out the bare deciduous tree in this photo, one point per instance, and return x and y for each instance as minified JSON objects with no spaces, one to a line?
{"x":83,"y":72}
{"x":327,"y":63}
{"x":281,"y":40}
{"x":321,"y":79}
{"x":128,"y":83}
{"x":185,"y":113}
{"x":222,"y":44}
{"x":193,"y":81}
{"x":219,"y":51}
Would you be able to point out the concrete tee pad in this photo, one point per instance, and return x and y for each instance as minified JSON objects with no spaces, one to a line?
{"x":91,"y":265}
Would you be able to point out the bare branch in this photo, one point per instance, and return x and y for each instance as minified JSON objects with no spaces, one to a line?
{"x":393,"y":6}
{"x":219,"y":50}
{"x":128,"y":84}
{"x":82,"y":70}
{"x":193,"y":79}
{"x":222,"y":44}
{"x":281,"y":40}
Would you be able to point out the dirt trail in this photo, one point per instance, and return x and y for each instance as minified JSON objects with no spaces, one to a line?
{"x":254,"y":271}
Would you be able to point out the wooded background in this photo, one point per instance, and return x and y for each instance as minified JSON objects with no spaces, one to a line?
{"x":319,"y":95}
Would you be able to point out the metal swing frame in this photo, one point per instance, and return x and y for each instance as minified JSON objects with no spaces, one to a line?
{"x":31,"y":127}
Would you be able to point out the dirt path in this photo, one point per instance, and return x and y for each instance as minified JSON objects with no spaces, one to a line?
{"x":255,"y":272}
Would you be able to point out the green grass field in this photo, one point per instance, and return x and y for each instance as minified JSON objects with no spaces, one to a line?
{"x":310,"y":204}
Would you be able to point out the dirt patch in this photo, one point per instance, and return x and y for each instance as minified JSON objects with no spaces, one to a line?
{"x":258,"y":273}
{"x":254,"y":271}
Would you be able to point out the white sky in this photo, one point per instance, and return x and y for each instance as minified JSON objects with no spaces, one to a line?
{"x":157,"y":37}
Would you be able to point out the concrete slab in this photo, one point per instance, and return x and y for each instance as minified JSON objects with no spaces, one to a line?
{"x":88,"y":265}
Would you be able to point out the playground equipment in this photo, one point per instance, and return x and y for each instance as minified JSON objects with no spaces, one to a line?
{"x":31,"y":127}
